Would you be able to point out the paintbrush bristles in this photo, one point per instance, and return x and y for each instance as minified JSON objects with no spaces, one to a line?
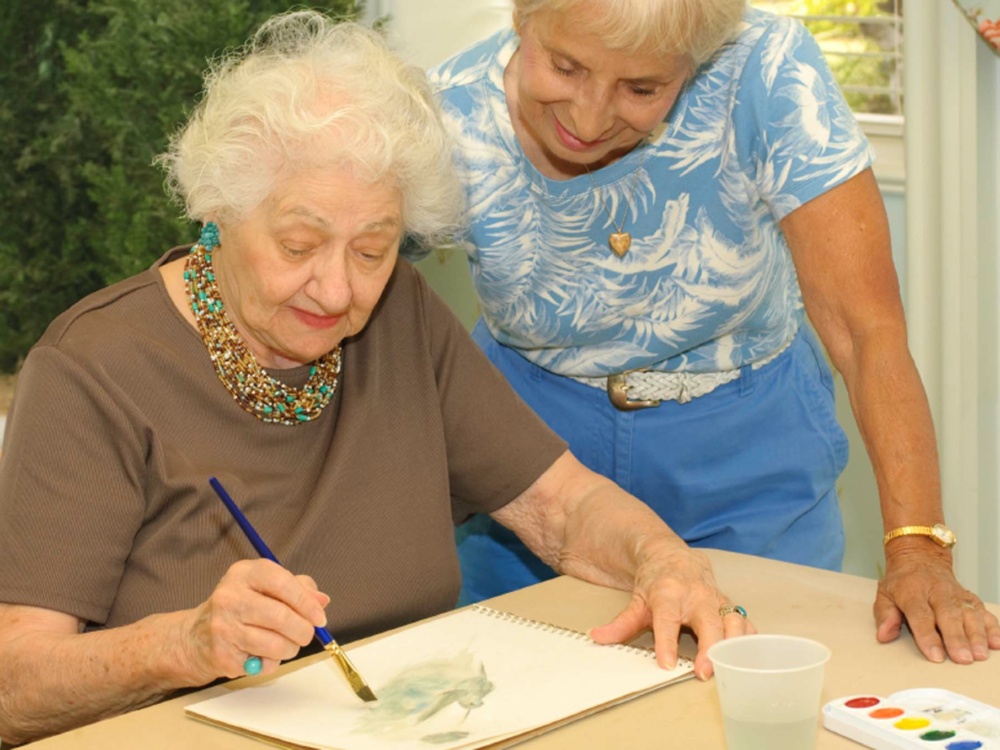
{"x":357,"y":682}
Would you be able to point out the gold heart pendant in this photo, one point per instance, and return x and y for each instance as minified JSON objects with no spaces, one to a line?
{"x":620,"y":243}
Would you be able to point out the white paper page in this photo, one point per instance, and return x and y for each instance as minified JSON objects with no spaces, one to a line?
{"x":459,"y":681}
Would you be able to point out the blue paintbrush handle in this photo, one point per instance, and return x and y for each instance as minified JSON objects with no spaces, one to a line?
{"x":251,"y":533}
{"x":322,"y":635}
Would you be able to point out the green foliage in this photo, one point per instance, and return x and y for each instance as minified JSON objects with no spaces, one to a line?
{"x":89,"y":93}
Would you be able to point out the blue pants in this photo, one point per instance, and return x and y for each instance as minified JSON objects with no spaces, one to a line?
{"x":750,"y":467}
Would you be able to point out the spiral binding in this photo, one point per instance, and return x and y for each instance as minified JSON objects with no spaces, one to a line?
{"x":548,"y":627}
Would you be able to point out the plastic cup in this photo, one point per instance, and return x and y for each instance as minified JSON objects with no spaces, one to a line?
{"x":769,"y":689}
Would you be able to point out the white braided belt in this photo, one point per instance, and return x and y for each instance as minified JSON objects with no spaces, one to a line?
{"x":647,"y":387}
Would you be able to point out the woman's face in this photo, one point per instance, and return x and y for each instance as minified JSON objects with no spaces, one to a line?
{"x":576,"y":103}
{"x":306,"y":267}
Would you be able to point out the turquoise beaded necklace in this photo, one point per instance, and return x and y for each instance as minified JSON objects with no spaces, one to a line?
{"x":254,"y":390}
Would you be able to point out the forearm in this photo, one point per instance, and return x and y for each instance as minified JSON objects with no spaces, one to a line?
{"x":54,"y":681}
{"x":56,"y":678}
{"x":611,"y":538}
{"x":894,"y":419}
{"x":584,"y":525}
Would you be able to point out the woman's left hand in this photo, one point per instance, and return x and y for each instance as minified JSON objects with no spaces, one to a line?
{"x":674,"y":591}
{"x":583,"y":524}
{"x":944,"y":617}
{"x":843,"y":258}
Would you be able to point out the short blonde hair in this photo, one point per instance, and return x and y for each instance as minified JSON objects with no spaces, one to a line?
{"x":695,"y":29}
{"x":307,"y":91}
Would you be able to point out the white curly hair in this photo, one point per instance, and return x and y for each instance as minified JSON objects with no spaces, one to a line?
{"x":307,"y":91}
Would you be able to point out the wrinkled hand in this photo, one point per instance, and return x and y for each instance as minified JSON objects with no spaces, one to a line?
{"x":258,"y":608}
{"x":674,"y":590}
{"x":943,"y":616}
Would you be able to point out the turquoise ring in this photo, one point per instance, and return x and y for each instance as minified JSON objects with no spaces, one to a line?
{"x":253,"y":665}
{"x":730,"y":608}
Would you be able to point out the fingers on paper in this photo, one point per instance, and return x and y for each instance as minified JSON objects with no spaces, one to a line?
{"x":636,"y":618}
{"x":626,"y":625}
{"x":666,"y":635}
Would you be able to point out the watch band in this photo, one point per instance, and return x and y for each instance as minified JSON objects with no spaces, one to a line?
{"x":940,"y":533}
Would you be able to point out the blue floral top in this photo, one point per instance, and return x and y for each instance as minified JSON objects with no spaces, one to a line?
{"x":708,"y":283}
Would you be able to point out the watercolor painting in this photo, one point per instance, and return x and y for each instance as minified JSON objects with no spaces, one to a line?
{"x":984,"y":15}
{"x":429,"y":701}
{"x":471,"y":678}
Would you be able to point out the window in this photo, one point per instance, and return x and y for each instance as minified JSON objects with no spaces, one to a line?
{"x":863,"y":41}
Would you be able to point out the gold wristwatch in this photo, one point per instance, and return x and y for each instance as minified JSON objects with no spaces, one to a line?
{"x":938,"y":532}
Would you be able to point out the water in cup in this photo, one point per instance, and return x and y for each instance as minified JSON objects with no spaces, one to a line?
{"x":770,"y":735}
{"x":769,"y":689}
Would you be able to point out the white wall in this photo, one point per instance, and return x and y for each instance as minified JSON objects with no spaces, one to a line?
{"x":428,"y":31}
{"x":988,"y":396}
{"x":952,"y":87}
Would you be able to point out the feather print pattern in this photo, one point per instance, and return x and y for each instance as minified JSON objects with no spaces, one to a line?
{"x":708,"y":283}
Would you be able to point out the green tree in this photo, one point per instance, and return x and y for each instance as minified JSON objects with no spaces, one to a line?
{"x":89,"y":93}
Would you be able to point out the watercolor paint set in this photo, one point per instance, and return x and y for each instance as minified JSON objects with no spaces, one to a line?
{"x":918,"y":719}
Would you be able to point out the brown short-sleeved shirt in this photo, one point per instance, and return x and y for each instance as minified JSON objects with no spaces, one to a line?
{"x":119,"y":421}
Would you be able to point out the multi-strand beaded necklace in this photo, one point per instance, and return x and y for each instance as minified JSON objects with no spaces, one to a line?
{"x":254,"y":390}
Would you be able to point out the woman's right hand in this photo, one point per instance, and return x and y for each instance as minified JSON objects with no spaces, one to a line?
{"x":257,"y":609}
{"x":57,"y":677}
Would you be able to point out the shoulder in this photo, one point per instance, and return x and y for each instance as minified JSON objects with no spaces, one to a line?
{"x":773,"y":44}
{"x":472,"y":64}
{"x":771,"y":62}
{"x":408,"y":300}
{"x":101,"y":318}
{"x":762,"y":39}
{"x":98,"y":309}
{"x":761,"y":28}
{"x":410,"y":310}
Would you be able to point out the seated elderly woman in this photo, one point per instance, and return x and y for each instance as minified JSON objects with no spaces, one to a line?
{"x":291,"y":354}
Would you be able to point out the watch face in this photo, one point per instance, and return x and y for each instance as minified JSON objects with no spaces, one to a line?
{"x":944,"y":535}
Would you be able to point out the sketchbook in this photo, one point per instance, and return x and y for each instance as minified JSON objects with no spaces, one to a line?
{"x":477,"y":677}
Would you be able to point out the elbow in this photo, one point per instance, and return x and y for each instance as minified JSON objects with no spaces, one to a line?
{"x":17,"y":726}
{"x":12,"y":731}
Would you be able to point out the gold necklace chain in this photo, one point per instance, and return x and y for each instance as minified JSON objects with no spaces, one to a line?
{"x":619,"y":241}
{"x":250,"y":385}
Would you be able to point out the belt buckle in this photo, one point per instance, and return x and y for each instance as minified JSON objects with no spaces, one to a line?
{"x":618,"y":393}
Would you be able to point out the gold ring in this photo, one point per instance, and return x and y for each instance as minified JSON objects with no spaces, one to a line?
{"x":728,"y":609}
{"x":969,"y":605}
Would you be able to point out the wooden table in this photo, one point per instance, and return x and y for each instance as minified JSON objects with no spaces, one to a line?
{"x":833,"y":608}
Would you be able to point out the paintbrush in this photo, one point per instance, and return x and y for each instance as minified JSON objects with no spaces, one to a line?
{"x":357,"y":682}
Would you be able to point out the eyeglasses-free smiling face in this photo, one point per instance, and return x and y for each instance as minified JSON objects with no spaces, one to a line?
{"x":577,"y":104}
{"x":305,"y":269}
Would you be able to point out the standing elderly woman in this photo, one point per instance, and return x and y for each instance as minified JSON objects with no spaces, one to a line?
{"x":655,"y":189}
{"x":346,"y":410}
